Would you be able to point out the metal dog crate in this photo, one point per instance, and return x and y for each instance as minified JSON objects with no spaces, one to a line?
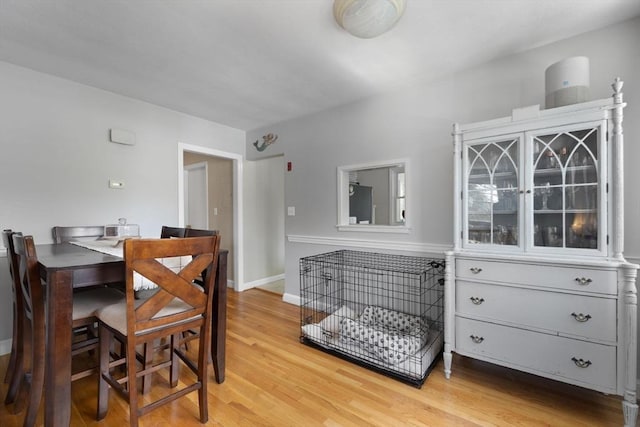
{"x":382,"y":311}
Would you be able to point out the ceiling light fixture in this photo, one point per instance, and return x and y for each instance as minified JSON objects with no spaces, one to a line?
{"x":367,"y":18}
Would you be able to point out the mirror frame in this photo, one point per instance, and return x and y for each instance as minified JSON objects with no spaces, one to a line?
{"x":343,"y":198}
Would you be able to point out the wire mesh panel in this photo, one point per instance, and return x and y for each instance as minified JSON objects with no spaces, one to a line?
{"x":380,"y":310}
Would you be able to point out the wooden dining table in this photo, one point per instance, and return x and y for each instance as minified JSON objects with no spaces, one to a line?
{"x":66,"y":267}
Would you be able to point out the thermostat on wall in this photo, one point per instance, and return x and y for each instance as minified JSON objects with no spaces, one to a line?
{"x":121,"y":136}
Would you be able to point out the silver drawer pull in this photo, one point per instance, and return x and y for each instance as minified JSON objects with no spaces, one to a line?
{"x":580,"y":363}
{"x":478,"y":340}
{"x":581,"y":317}
{"x":475,"y":270}
{"x":583,"y":280}
{"x":476,"y":300}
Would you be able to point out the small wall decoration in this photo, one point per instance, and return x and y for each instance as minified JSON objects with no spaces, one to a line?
{"x":267,"y":140}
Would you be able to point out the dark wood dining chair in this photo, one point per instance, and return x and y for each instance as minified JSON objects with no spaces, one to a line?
{"x":169,"y":232}
{"x":198,"y":232}
{"x":17,"y":350}
{"x":85,"y":305}
{"x":176,"y":306}
{"x":82,"y":232}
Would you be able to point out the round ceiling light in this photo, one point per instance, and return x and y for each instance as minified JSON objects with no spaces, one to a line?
{"x":367,"y":18}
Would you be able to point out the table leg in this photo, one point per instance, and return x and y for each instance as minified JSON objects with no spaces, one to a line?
{"x":58,"y":352}
{"x":219,"y":321}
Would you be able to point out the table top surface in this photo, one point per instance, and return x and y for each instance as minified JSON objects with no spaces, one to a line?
{"x":68,"y":256}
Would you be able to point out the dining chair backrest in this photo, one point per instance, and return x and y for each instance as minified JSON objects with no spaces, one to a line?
{"x":12,"y":376}
{"x":12,"y":258}
{"x":196,"y":232}
{"x":34,"y":327}
{"x":143,"y":256}
{"x":82,"y":232}
{"x":29,"y":279}
{"x":169,"y":232}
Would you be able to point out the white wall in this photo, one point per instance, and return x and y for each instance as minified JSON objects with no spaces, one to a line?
{"x":56,"y":161}
{"x":264,"y":220}
{"x":415,"y":122}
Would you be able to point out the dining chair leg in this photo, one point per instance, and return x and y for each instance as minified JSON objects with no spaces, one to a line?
{"x":22,"y":379}
{"x":147,"y":362}
{"x":202,"y":402}
{"x":14,"y":348}
{"x":15,"y":373}
{"x":175,"y":347}
{"x":104,"y":338}
{"x":35,"y":391}
{"x":203,"y":365}
{"x":132,"y":383}
{"x":37,"y":372}
{"x":185,"y":335}
{"x":16,"y":377}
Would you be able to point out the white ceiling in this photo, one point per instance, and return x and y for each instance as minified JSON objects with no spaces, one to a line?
{"x":251,"y":63}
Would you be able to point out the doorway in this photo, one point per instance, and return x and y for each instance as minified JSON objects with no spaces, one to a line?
{"x":264,"y":222}
{"x":224,"y":216}
{"x":196,"y":194}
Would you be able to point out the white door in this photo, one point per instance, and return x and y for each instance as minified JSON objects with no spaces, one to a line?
{"x":196,"y":194}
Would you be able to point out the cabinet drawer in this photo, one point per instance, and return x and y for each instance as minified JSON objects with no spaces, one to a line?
{"x":572,"y":279}
{"x":548,"y":355}
{"x":539,"y":309}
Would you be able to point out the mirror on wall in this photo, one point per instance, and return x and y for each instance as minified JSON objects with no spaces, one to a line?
{"x":373,"y":197}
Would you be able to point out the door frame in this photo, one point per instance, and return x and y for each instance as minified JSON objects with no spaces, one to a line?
{"x":238,"y":229}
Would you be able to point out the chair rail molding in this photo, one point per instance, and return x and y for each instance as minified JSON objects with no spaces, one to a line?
{"x":430,"y":248}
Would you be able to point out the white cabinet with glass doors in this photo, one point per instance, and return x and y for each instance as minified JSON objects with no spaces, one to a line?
{"x":538,"y":190}
{"x":537,"y":280}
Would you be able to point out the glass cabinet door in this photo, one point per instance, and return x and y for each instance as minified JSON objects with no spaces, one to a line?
{"x":567,"y":189}
{"x":491,"y":201}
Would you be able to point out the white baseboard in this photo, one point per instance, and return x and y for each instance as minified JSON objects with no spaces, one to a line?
{"x":5,"y":347}
{"x":260,"y":282}
{"x":291,"y":299}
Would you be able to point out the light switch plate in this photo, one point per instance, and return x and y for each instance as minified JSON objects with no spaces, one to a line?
{"x":116,"y":184}
{"x":291,"y":210}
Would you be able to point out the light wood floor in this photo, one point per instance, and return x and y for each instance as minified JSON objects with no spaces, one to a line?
{"x":273,"y":380}
{"x":276,"y":287}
